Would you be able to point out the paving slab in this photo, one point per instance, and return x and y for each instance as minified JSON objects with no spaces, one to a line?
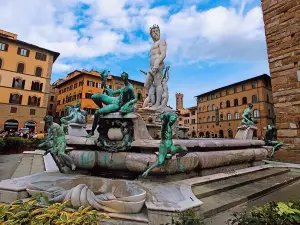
{"x":8,"y":165}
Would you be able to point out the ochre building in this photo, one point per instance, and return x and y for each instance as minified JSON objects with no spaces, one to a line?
{"x":220,"y":110}
{"x":81,"y":85}
{"x":25,"y":73}
{"x":282,"y":28}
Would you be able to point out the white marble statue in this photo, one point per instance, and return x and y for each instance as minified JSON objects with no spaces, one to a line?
{"x":155,"y":84}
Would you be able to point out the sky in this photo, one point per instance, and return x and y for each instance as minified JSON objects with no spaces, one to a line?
{"x":210,"y":43}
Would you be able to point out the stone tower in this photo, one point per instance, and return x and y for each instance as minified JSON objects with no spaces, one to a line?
{"x":179,"y":101}
{"x":281,"y":20}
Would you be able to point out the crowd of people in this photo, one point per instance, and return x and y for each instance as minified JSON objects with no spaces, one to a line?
{"x":22,"y":133}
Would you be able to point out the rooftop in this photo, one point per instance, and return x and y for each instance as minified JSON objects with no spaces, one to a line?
{"x":263,"y":76}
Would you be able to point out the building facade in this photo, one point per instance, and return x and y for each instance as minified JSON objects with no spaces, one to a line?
{"x":220,"y":110}
{"x":282,"y":30}
{"x":81,"y":85}
{"x":25,"y":73}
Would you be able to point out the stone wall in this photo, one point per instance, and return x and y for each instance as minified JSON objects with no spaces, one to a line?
{"x":282,"y":28}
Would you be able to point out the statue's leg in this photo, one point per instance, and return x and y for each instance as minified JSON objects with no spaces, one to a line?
{"x":152,"y":95}
{"x":158,"y":85}
{"x":182,"y":151}
{"x":62,"y":155}
{"x":160,"y":161}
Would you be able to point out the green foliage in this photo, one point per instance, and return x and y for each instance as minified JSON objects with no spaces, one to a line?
{"x":279,"y":213}
{"x":187,"y":218}
{"x":33,"y":212}
{"x":16,"y":143}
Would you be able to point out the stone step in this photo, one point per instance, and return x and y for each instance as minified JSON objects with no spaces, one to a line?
{"x":222,"y":201}
{"x":215,"y":187}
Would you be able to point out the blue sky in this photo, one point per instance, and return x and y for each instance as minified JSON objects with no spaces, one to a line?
{"x":211,"y":43}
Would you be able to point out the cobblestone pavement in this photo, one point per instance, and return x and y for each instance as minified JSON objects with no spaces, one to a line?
{"x":8,"y":164}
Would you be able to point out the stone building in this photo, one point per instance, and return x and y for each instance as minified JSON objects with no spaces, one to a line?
{"x":282,"y":19}
{"x":25,"y":73}
{"x":220,"y":110}
{"x":81,"y":85}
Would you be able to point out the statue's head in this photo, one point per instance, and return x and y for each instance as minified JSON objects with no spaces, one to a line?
{"x":48,"y":120}
{"x":124,"y":76}
{"x":155,"y":32}
{"x":250,"y":106}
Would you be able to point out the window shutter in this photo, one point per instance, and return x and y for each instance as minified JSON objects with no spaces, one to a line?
{"x":13,"y":83}
{"x":44,"y":57}
{"x":39,"y":102}
{"x":6,"y":47}
{"x":41,"y":86}
{"x":20,"y":99}
{"x":32,"y":85}
{"x":29,"y":100}
{"x":28,"y":52}
{"x":10,"y":97}
{"x":23,"y":84}
{"x":19,"y":51}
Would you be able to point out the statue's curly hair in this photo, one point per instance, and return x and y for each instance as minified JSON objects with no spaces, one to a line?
{"x":48,"y":118}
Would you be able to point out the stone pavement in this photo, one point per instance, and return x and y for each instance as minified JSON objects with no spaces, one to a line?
{"x":8,"y":165}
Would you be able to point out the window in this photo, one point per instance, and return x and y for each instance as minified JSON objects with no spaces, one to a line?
{"x":213,"y":118}
{"x":80,"y":83}
{"x":227,"y":104}
{"x":268,"y":99}
{"x":235,"y":90}
{"x":236,"y":115}
{"x":221,"y":105}
{"x":227,"y":91}
{"x":51,"y":106}
{"x":244,"y":87}
{"x":254,"y":85}
{"x":88,"y":95}
{"x":193,"y":121}
{"x":228,"y":116}
{"x":15,"y":99}
{"x":63,"y":101}
{"x":200,"y":99}
{"x":91,"y":83}
{"x":38,"y":71}
{"x":208,"y":119}
{"x":20,"y":68}
{"x":3,"y":47}
{"x":221,"y":116}
{"x":254,"y":99}
{"x":79,"y":95}
{"x":13,"y":109}
{"x":213,"y":107}
{"x":36,"y":86}
{"x":18,"y":83}
{"x":255,"y":113}
{"x":208,"y":108}
{"x":139,"y":96}
{"x":32,"y":112}
{"x":75,"y":85}
{"x":98,"y":85}
{"x":52,"y":98}
{"x":208,"y":97}
{"x":199,"y":120}
{"x":40,"y":56}
{"x":236,"y":102}
{"x":1,"y":62}
{"x":23,"y":52}
{"x":34,"y":101}
{"x":199,"y":109}
{"x":244,"y":101}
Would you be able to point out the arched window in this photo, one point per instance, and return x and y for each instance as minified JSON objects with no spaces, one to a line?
{"x":236,"y":115}
{"x":268,"y":99}
{"x":227,"y":104}
{"x":20,"y":67}
{"x":15,"y":99}
{"x":221,"y":116}
{"x":221,"y":134}
{"x":213,"y":107}
{"x":33,"y":100}
{"x":207,"y":134}
{"x":208,"y":108}
{"x":244,"y":101}
{"x":1,"y":62}
{"x":139,"y":96}
{"x":38,"y":71}
{"x":208,"y":119}
{"x":221,"y":105}
{"x":230,"y":134}
{"x":236,"y":102}
{"x":18,"y":83}
{"x":254,"y":85}
{"x":255,"y":113}
{"x":213,"y":118}
{"x":36,"y":86}
{"x":254,"y":99}
{"x":228,"y":116}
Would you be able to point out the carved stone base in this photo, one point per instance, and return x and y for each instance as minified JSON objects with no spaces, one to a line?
{"x":245,"y":132}
{"x":77,"y":130}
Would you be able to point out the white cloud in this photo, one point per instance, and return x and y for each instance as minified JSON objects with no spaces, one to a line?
{"x":61,"y":67}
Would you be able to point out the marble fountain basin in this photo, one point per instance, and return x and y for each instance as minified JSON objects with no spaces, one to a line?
{"x":115,"y":196}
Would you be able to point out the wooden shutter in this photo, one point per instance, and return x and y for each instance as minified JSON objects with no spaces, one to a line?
{"x":13,"y":83}
{"x":39,"y":102}
{"x":10,"y":97}
{"x":19,"y":51}
{"x":41,"y":86}
{"x":23,"y":84}
{"x":32,"y":83}
{"x":0,"y":63}
{"x":6,"y":47}
{"x":20,"y":99}
{"x":28,"y":52}
{"x":29,"y":100}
